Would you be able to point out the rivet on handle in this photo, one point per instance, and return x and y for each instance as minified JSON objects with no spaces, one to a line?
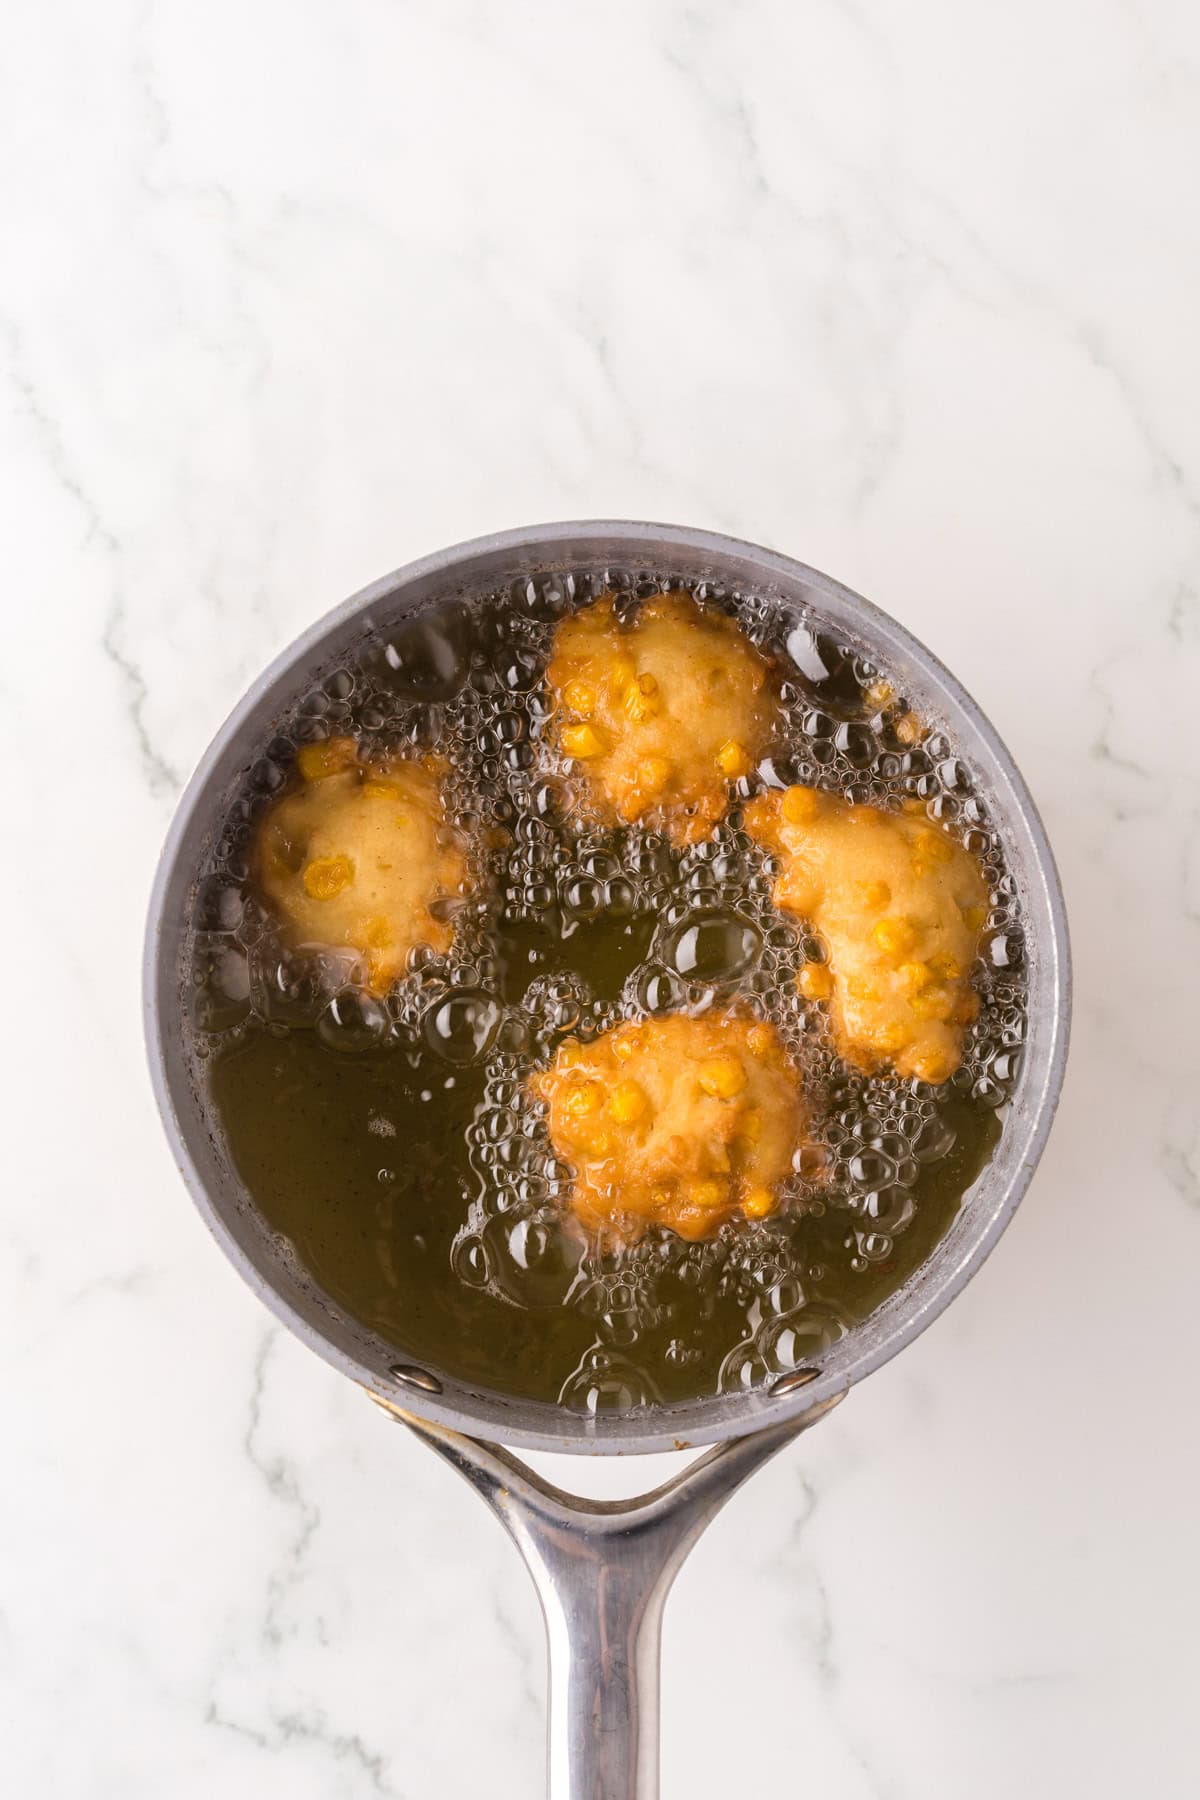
{"x":795,"y":1378}
{"x":413,"y":1377}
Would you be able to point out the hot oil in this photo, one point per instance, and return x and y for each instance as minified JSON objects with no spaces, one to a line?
{"x":392,"y":1142}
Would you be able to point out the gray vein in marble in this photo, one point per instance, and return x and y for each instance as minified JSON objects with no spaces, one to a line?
{"x":1088,"y":338}
{"x":1165,"y":464}
{"x":1179,"y":1154}
{"x":160,"y":774}
{"x":1183,"y":614}
{"x":47,"y":433}
{"x":283,"y":1484}
{"x":132,"y":1281}
{"x":1162,"y":68}
{"x":1190,"y":870}
{"x":291,"y":1729}
{"x":879,"y":440}
{"x":210,"y":203}
{"x":297,"y":1726}
{"x":820,"y":1644}
{"x":1102,"y":750}
{"x":728,"y":104}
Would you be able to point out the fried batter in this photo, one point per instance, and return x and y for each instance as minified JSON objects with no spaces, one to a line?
{"x":675,"y":1121}
{"x":660,"y":715}
{"x":900,"y":906}
{"x":358,"y":857}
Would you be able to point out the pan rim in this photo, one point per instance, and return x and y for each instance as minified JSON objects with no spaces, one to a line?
{"x":679,"y":1424}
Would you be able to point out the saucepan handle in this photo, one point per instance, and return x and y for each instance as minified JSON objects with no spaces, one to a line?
{"x":603,"y":1570}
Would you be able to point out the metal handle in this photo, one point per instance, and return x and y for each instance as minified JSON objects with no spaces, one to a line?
{"x":603,"y":1570}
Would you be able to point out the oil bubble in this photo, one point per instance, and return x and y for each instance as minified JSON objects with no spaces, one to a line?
{"x":469,"y":1261}
{"x":534,"y":1262}
{"x":352,"y":1022}
{"x":712,"y":946}
{"x":798,"y":1337}
{"x":428,"y":658}
{"x":934,"y":1141}
{"x":604,"y":1383}
{"x":461,"y":1028}
{"x":742,"y":1370}
{"x":659,"y":990}
{"x":890,"y":1209}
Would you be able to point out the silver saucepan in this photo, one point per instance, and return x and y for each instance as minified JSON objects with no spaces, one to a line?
{"x":602,"y":1570}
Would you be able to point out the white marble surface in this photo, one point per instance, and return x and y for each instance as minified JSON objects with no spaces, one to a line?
{"x":291,"y":293}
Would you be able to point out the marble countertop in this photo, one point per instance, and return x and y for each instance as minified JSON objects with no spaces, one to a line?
{"x":289,"y":295}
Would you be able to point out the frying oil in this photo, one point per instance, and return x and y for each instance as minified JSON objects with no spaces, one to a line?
{"x":391,"y":1142}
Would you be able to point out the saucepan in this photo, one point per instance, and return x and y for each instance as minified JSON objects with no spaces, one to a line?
{"x":603,"y":1569}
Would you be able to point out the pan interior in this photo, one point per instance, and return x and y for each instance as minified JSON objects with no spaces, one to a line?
{"x":517,"y":562}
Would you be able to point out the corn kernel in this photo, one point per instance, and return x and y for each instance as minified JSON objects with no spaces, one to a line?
{"x":654,"y":772}
{"x":800,"y":805}
{"x":330,"y":757}
{"x":815,"y":982}
{"x":889,"y":1037}
{"x":909,"y":729}
{"x":945,"y":967}
{"x":875,"y":895}
{"x":580,"y":697}
{"x":583,"y":1100}
{"x":627,"y":1102}
{"x":935,"y":1003}
{"x":581,"y":741}
{"x":379,"y":934}
{"x":757,"y":1202}
{"x":866,"y":993}
{"x":751,"y":1125}
{"x":895,"y":936}
{"x":722,"y":1077}
{"x":326,"y":876}
{"x":913,"y":976}
{"x":759,"y":1039}
{"x":879,"y":693}
{"x":732,"y":760}
{"x":380,"y":790}
{"x":599,"y":1144}
{"x":974,"y":917}
{"x":708,"y":1194}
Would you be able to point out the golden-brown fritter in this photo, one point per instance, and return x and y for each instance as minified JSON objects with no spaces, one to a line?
{"x":661,"y":714}
{"x":900,"y":906}
{"x":675,"y":1121}
{"x":358,"y":858}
